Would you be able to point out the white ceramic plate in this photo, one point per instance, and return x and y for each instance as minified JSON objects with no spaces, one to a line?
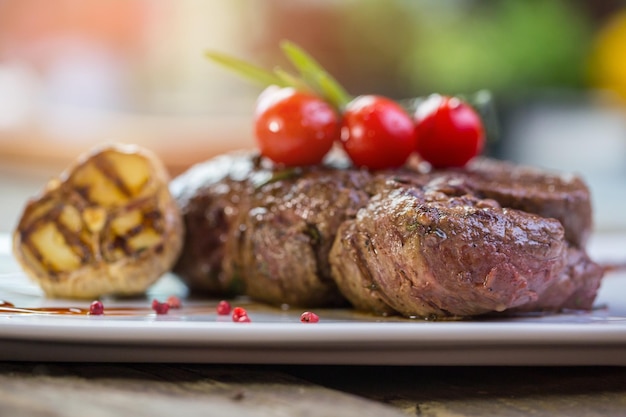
{"x":196,"y":334}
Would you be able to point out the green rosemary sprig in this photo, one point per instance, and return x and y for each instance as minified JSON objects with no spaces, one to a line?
{"x":247,"y":70}
{"x":311,"y":76}
{"x":315,"y":75}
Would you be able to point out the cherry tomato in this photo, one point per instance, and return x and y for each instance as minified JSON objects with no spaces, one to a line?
{"x":449,"y":132}
{"x":377,"y":133}
{"x":293,"y":127}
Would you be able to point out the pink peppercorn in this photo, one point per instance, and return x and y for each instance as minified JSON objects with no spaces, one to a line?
{"x":174,"y":302}
{"x":96,"y":308}
{"x":243,"y":319}
{"x":308,"y":317}
{"x":160,"y":308}
{"x":240,"y":315}
{"x":223,"y":308}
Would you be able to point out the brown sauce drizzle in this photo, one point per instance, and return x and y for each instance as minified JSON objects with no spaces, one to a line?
{"x":8,"y":307}
{"x":614,"y":267}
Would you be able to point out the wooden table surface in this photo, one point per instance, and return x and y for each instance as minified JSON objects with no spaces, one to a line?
{"x":154,"y":390}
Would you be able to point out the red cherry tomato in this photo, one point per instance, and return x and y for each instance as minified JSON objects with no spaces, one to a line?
{"x":377,"y":133}
{"x":449,"y":133}
{"x":293,"y":127}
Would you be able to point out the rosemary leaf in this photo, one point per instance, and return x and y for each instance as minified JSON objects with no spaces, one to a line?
{"x":336,"y":96}
{"x":252,"y":72}
{"x":292,"y":80}
{"x":315,"y":75}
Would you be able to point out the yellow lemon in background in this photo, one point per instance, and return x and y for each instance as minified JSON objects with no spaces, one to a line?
{"x":608,"y":59}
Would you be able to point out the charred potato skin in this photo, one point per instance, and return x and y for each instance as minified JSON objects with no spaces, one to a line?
{"x":107,"y":226}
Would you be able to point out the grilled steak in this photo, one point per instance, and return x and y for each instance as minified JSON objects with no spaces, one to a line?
{"x":576,"y":287}
{"x":288,"y":235}
{"x":265,"y":233}
{"x":564,"y":197}
{"x":214,"y":198}
{"x":426,"y":254}
{"x":490,"y":237}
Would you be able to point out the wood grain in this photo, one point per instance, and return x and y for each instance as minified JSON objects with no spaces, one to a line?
{"x":154,"y":390}
{"x":484,"y":391}
{"x":103,"y":390}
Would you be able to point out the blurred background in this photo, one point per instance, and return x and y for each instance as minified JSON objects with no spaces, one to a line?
{"x":74,"y":74}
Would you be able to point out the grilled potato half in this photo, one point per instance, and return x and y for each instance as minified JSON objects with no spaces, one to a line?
{"x":107,"y":226}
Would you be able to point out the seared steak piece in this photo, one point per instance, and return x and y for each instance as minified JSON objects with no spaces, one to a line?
{"x":564,"y":197}
{"x":264,"y":232}
{"x":576,"y":287}
{"x":289,"y":233}
{"x":427,"y":254}
{"x":214,"y":198}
